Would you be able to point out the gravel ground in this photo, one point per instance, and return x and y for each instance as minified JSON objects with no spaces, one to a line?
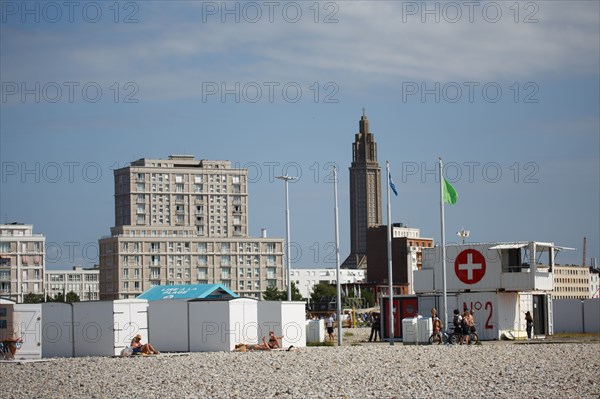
{"x":491,"y":370}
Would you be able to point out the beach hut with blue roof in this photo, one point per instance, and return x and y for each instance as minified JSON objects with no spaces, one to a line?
{"x":177,"y":313}
{"x":188,"y":292}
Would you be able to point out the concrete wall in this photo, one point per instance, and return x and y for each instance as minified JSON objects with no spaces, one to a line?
{"x":576,"y":316}
{"x":568,"y":316}
{"x":168,"y":327}
{"x":285,"y":319}
{"x":216,"y":326}
{"x":57,"y":329}
{"x":591,"y":314}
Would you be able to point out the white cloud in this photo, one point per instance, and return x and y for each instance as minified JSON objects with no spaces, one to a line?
{"x":370,"y":46}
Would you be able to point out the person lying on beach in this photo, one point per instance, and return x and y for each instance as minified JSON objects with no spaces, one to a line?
{"x":250,"y":347}
{"x":272,"y":344}
{"x":144,"y":349}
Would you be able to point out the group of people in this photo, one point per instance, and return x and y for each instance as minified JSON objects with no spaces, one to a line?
{"x":464,"y":325}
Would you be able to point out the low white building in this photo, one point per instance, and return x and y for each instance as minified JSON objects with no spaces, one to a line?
{"x":83,"y":282}
{"x":572,"y":282}
{"x":306,"y":279}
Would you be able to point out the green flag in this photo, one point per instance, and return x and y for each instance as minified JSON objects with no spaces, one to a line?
{"x":450,"y":194}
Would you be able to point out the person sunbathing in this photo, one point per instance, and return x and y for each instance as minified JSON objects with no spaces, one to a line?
{"x":273,"y":341}
{"x":272,"y":344}
{"x":250,"y":347}
{"x":142,"y":349}
{"x":10,"y":347}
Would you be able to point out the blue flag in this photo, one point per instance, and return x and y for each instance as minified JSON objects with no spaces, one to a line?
{"x":393,"y":186}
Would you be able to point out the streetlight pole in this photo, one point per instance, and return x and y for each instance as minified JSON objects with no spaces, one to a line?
{"x":286,"y":179}
{"x":338,"y":283}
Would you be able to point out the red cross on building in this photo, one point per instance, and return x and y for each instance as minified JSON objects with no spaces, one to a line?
{"x":469,"y":266}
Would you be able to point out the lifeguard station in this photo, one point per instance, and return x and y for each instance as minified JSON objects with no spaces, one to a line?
{"x":499,"y":281}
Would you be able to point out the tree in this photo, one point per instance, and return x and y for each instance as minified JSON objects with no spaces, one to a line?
{"x":369,"y":296}
{"x":72,"y":297}
{"x":323,"y":292}
{"x":33,"y":298}
{"x":296,"y":296}
{"x":272,"y":294}
{"x":59,"y":297}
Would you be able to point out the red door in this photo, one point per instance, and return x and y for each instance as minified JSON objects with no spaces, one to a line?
{"x":403,"y":307}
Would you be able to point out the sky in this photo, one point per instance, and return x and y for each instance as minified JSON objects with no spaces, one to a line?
{"x":507,"y":93}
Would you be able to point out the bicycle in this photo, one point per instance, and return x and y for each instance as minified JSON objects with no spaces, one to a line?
{"x":456,"y":337}
{"x":440,"y":337}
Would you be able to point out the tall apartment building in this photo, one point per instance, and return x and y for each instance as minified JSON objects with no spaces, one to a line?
{"x":571,"y":281}
{"x":82,"y":281}
{"x":22,"y":261}
{"x":365,"y":194}
{"x":185,"y":221}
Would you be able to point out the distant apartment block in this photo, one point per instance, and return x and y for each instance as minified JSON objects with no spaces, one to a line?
{"x":574,"y":282}
{"x":185,"y":221}
{"x":82,"y":281}
{"x":22,"y":260}
{"x":306,"y":279}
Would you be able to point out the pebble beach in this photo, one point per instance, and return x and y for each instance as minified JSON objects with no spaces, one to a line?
{"x":355,"y":370}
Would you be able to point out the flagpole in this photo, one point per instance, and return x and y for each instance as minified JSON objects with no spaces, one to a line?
{"x":337,"y":257}
{"x":389,"y":255}
{"x":443,"y":244}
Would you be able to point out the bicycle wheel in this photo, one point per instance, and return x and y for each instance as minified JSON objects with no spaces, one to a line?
{"x":454,"y":338}
{"x":435,"y":338}
{"x":473,"y":338}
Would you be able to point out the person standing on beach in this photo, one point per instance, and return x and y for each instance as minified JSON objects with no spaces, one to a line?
{"x":436,"y":323}
{"x":375,"y":325}
{"x":529,"y":323}
{"x":329,"y":322}
{"x":472,"y":321}
{"x":465,"y":327}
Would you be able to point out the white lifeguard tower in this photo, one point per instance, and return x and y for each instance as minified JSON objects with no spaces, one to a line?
{"x":499,"y":281}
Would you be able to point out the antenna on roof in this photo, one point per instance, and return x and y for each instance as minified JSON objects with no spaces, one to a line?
{"x":583,"y":261}
{"x":463,"y":234}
